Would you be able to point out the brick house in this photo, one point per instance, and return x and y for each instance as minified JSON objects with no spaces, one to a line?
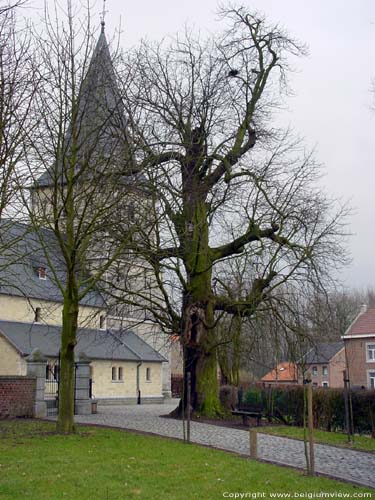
{"x":326,"y":363}
{"x":359,"y":340}
{"x":284,"y":373}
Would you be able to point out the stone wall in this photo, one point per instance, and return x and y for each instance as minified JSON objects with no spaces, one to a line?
{"x":22,"y":309}
{"x":11,"y":363}
{"x":17,"y":396}
{"x":104,"y":387}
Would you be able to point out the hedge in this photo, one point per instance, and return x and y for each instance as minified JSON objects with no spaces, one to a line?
{"x":286,"y":404}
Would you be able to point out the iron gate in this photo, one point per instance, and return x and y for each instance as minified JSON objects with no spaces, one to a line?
{"x":51,"y":391}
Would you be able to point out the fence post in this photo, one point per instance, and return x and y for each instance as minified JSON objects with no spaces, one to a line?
{"x":310,"y":420}
{"x":36,"y":367}
{"x":346,"y":402}
{"x":253,"y":435}
{"x":82,"y":385}
{"x":188,"y":405}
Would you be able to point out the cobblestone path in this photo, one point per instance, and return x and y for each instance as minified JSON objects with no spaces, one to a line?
{"x":350,"y":465}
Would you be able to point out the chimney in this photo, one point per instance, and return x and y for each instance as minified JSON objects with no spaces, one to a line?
{"x":363,"y":308}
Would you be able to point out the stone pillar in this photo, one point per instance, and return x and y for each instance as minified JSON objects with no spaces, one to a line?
{"x":36,"y":367}
{"x":82,"y":385}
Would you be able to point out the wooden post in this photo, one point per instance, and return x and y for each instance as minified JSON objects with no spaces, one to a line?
{"x":346,"y":401}
{"x":253,"y":436}
{"x":310,"y":421}
{"x":188,"y":394}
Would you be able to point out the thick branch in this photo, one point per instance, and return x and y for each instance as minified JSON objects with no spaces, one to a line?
{"x":253,"y":233}
{"x":249,"y":304}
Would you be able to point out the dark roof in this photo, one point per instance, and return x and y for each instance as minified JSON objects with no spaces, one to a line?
{"x":322,"y":353}
{"x":23,"y":253}
{"x":96,"y":344}
{"x":364,"y":324}
{"x":100,"y":120}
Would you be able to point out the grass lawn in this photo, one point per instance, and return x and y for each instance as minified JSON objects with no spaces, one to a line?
{"x":338,"y":439}
{"x":108,"y":464}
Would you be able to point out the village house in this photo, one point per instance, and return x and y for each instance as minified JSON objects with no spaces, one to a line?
{"x":285,"y":373}
{"x":326,"y":363}
{"x":359,"y":340}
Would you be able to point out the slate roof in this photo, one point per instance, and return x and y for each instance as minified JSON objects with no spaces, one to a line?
{"x":284,"y":372}
{"x":364,"y":324}
{"x":21,"y":258}
{"x":100,"y":119}
{"x":96,"y":344}
{"x":322,"y":353}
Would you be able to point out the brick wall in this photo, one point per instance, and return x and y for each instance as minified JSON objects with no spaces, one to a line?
{"x":336,"y":367}
{"x":17,"y":395}
{"x":357,"y":361}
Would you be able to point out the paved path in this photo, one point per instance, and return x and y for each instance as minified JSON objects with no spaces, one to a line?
{"x":355,"y":466}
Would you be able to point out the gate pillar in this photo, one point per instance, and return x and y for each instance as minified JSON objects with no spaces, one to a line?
{"x":82,"y":385}
{"x":36,"y":367}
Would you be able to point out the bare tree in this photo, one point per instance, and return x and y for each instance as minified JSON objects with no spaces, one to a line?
{"x":17,"y":91}
{"x":77,"y":165}
{"x":224,"y":182}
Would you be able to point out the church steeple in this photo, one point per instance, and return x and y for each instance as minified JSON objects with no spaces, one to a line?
{"x":99,"y":117}
{"x":102,"y":17}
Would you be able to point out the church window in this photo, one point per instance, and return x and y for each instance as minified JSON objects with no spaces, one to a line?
{"x":102,"y":322}
{"x":42,"y":273}
{"x":131,"y":211}
{"x":37,"y":315}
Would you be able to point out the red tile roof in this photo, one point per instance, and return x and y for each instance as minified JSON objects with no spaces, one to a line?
{"x":286,"y":372}
{"x":364,"y":324}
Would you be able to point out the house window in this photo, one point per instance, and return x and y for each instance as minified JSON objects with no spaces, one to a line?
{"x":42,"y":273}
{"x":37,"y":315}
{"x":117,"y":374}
{"x":314,"y":371}
{"x":325,"y":384}
{"x":325,"y":370}
{"x":371,"y":380}
{"x":148,"y":374}
{"x":371,"y":353}
{"x":102,"y":322}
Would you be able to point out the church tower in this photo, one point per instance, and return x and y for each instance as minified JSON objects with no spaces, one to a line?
{"x":92,"y":164}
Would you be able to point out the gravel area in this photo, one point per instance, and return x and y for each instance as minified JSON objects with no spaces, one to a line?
{"x":354,"y":466}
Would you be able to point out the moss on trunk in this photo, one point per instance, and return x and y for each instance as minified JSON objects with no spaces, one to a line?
{"x":65,"y":421}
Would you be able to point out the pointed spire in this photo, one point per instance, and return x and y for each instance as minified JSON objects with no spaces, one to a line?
{"x":102,"y":17}
{"x":100,"y":117}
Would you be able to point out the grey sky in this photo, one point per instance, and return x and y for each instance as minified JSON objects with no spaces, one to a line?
{"x":331,"y":106}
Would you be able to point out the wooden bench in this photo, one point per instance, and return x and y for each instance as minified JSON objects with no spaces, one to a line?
{"x":247,"y":411}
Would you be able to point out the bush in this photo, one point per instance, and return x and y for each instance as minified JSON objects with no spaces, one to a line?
{"x":253,"y":396}
{"x":285,"y":403}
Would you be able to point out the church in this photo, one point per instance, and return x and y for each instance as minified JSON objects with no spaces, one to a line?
{"x":130,"y":356}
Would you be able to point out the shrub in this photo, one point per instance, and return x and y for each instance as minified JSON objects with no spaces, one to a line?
{"x":285,"y":403}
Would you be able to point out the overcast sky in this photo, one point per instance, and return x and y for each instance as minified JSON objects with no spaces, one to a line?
{"x":331,"y":106}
